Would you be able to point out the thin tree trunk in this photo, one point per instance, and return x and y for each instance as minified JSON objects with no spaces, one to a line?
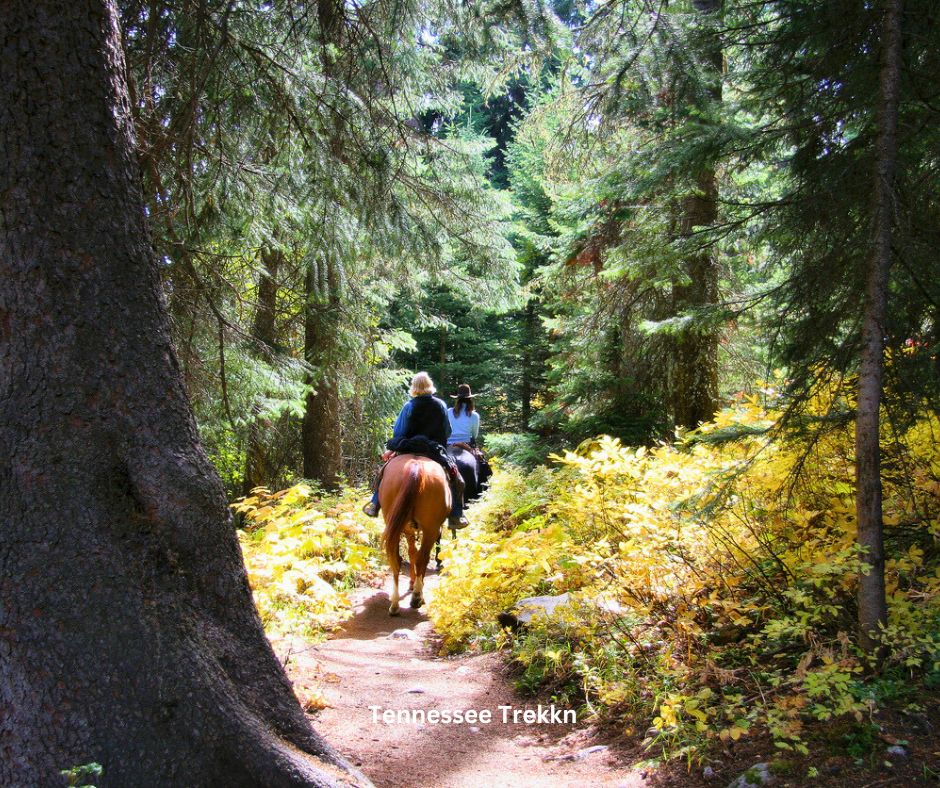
{"x":872,"y":606}
{"x":321,"y":434}
{"x":127,"y":630}
{"x":620,"y":358}
{"x":528,"y":365}
{"x":695,"y":395}
{"x":935,"y":342}
{"x":263,"y":329}
{"x":441,"y":359}
{"x":695,"y":388}
{"x":257,"y":465}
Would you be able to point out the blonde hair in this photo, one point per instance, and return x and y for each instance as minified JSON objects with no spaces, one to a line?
{"x":422,"y":384}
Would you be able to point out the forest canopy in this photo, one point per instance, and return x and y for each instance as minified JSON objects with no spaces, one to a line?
{"x":609,"y":219}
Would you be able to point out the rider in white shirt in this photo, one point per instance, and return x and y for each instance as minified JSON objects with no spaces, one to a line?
{"x":464,"y":420}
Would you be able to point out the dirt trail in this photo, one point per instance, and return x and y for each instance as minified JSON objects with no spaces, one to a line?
{"x":366,"y":665}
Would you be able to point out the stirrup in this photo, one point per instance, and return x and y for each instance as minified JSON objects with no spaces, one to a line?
{"x":371,"y":510}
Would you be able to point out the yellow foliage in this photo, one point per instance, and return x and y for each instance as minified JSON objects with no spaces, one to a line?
{"x":302,"y":551}
{"x":731,"y":563}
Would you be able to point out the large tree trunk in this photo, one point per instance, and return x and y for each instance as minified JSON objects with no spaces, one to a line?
{"x":321,"y":434}
{"x":257,"y":460}
{"x":695,"y":386}
{"x":127,"y":630}
{"x":872,"y":606}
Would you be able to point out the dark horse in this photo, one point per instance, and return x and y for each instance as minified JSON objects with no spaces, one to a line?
{"x":415,"y":499}
{"x":474,"y":475}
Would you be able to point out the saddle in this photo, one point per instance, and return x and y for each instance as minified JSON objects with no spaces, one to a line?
{"x":425,"y":447}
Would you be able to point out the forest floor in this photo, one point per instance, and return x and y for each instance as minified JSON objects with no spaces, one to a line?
{"x":393,"y":664}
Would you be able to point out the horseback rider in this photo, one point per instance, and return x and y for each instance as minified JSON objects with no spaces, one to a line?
{"x":423,"y":423}
{"x":464,"y":419}
{"x":462,"y":445}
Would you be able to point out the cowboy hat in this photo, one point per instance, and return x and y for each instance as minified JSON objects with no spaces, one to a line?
{"x":463,"y":392}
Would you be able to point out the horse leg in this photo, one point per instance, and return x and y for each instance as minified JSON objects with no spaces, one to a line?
{"x":427,"y":544}
{"x":395,"y":566}
{"x":412,"y":554}
{"x":437,"y":551}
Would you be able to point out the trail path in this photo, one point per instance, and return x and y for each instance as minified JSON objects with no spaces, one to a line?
{"x":367,"y":665}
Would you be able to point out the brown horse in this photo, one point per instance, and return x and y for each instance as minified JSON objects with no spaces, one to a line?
{"x":415,"y":497}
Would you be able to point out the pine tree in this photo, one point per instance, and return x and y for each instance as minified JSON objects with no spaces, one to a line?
{"x":840,"y":91}
{"x":127,"y":629}
{"x":266,"y":128}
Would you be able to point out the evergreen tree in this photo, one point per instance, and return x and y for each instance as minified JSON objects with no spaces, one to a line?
{"x":263,"y":130}
{"x":129,"y":636}
{"x":841,"y":91}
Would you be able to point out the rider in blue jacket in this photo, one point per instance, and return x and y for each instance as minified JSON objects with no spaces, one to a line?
{"x":424,"y":415}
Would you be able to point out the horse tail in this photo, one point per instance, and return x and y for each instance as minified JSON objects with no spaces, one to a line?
{"x":401,"y":512}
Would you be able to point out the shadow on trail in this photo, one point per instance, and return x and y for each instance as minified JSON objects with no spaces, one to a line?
{"x":371,"y":619}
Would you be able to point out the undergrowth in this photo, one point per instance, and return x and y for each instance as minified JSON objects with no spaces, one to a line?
{"x":712,"y":581}
{"x":304,"y":550}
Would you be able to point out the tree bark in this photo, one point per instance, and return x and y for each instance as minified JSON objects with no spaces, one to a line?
{"x":695,"y":387}
{"x":263,"y":329}
{"x":872,"y":605}
{"x":322,"y":434}
{"x":527,"y":365}
{"x":257,"y":464}
{"x":695,"y":397}
{"x":127,"y":630}
{"x":442,"y":360}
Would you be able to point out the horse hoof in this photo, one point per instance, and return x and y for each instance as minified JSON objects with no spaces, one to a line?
{"x":416,"y":601}
{"x":393,"y":610}
{"x":440,"y":565}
